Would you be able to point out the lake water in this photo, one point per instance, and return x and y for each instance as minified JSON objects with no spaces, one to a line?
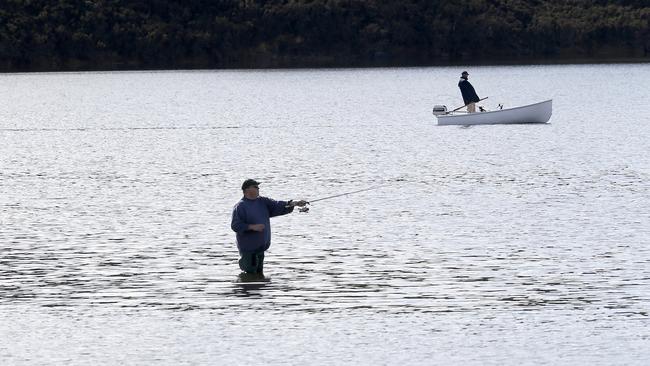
{"x":489,"y":245}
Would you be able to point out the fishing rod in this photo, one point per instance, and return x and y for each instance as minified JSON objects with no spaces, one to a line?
{"x":342,"y":194}
{"x":306,"y":209}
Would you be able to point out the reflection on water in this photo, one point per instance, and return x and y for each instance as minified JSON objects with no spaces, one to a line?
{"x":483,"y":245}
{"x":250,"y":284}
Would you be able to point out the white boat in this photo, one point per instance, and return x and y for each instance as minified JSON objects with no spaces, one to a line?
{"x":532,"y":113}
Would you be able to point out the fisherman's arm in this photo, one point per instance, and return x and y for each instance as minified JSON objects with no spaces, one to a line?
{"x":277,"y":208}
{"x":239,"y":225}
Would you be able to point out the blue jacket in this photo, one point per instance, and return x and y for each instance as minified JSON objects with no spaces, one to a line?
{"x":258,"y":211}
{"x":467,"y":90}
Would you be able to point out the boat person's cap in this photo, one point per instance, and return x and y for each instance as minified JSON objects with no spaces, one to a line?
{"x":465,"y":73}
{"x":249,"y":183}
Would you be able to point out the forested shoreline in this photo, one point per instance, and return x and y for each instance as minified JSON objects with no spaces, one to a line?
{"x":57,"y":35}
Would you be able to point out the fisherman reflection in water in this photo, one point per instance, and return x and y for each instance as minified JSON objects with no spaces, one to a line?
{"x":467,"y":90}
{"x":251,"y":221}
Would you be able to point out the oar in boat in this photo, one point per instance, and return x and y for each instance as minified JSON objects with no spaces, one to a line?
{"x":461,"y":107}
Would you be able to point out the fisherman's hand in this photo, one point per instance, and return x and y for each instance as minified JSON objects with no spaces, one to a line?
{"x":300,"y":203}
{"x":256,"y":227}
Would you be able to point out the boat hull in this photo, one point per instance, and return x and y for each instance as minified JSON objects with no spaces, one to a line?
{"x":532,"y":113}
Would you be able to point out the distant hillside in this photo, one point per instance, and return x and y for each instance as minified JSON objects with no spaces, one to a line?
{"x":139,"y":34}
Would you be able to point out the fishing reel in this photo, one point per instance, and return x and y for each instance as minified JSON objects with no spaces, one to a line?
{"x":304,"y":209}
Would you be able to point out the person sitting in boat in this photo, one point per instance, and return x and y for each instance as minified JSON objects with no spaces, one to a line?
{"x":467,"y":90}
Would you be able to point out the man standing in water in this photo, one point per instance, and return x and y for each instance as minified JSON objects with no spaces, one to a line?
{"x":251,"y":221}
{"x":467,"y":90}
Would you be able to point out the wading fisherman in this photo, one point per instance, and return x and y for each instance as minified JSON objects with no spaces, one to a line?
{"x":251,"y":221}
{"x":467,"y":90}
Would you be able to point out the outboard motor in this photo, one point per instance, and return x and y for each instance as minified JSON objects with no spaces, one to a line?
{"x":439,"y":109}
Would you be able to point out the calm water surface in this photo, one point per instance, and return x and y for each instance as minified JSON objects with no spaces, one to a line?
{"x":489,"y":245}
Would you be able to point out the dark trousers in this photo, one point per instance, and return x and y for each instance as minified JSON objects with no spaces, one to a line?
{"x":251,"y":262}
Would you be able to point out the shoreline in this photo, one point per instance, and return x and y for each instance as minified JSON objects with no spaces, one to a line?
{"x":342,"y":65}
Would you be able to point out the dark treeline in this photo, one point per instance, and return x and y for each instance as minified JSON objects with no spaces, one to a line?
{"x":138,"y":34}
